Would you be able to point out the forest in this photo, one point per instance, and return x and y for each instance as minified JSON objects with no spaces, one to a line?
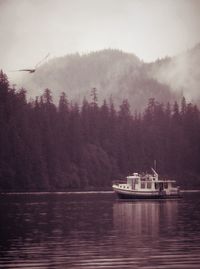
{"x":48,"y":147}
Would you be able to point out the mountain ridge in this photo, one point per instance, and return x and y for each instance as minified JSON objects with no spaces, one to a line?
{"x":119,"y":75}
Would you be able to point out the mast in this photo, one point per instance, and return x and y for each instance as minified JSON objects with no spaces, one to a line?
{"x":154,"y":165}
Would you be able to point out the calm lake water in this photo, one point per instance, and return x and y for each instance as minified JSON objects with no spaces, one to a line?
{"x":94,"y":230}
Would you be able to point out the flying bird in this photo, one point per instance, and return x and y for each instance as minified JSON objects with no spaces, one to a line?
{"x":32,"y":70}
{"x":28,"y":70}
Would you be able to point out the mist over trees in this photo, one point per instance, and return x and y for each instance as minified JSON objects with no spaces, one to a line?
{"x":122,"y":75}
{"x":181,"y":73}
{"x":44,"y":146}
{"x":112,"y":72}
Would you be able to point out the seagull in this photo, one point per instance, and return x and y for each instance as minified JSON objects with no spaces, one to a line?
{"x":32,"y":70}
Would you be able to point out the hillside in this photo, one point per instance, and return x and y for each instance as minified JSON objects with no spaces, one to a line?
{"x":118,"y":75}
{"x":113,"y":73}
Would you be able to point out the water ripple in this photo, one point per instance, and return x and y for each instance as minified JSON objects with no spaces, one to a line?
{"x":95,"y":231}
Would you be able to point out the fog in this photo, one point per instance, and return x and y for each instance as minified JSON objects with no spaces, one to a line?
{"x":181,"y":73}
{"x":150,"y":29}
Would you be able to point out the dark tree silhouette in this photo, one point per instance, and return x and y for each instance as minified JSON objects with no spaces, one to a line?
{"x":49,"y":147}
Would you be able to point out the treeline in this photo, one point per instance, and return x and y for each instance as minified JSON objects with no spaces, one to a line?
{"x":49,"y":147}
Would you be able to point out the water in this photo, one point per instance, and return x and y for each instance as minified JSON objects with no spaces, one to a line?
{"x":94,"y":230}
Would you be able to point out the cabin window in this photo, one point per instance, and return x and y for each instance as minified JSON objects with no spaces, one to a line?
{"x":148,"y":185}
{"x":156,"y":186}
{"x":142,"y":185}
{"x":165,"y":185}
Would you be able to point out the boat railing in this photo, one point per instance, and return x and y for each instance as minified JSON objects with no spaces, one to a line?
{"x":147,"y":178}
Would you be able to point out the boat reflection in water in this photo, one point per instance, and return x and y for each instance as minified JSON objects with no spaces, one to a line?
{"x":145,"y":217}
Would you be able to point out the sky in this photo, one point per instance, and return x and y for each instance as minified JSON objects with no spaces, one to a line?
{"x":151,"y":29}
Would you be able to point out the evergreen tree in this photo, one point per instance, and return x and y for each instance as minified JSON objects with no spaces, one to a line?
{"x":49,"y":147}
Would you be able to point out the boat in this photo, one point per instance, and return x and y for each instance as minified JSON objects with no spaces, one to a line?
{"x":146,"y":186}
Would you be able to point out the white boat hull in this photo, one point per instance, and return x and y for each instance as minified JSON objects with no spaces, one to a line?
{"x":133,"y":194}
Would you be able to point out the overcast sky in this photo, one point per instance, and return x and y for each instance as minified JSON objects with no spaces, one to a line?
{"x":29,"y":29}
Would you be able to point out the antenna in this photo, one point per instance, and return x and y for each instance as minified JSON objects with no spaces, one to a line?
{"x":154,"y":165}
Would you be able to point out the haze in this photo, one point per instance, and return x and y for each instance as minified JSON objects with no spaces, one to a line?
{"x":150,"y":29}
